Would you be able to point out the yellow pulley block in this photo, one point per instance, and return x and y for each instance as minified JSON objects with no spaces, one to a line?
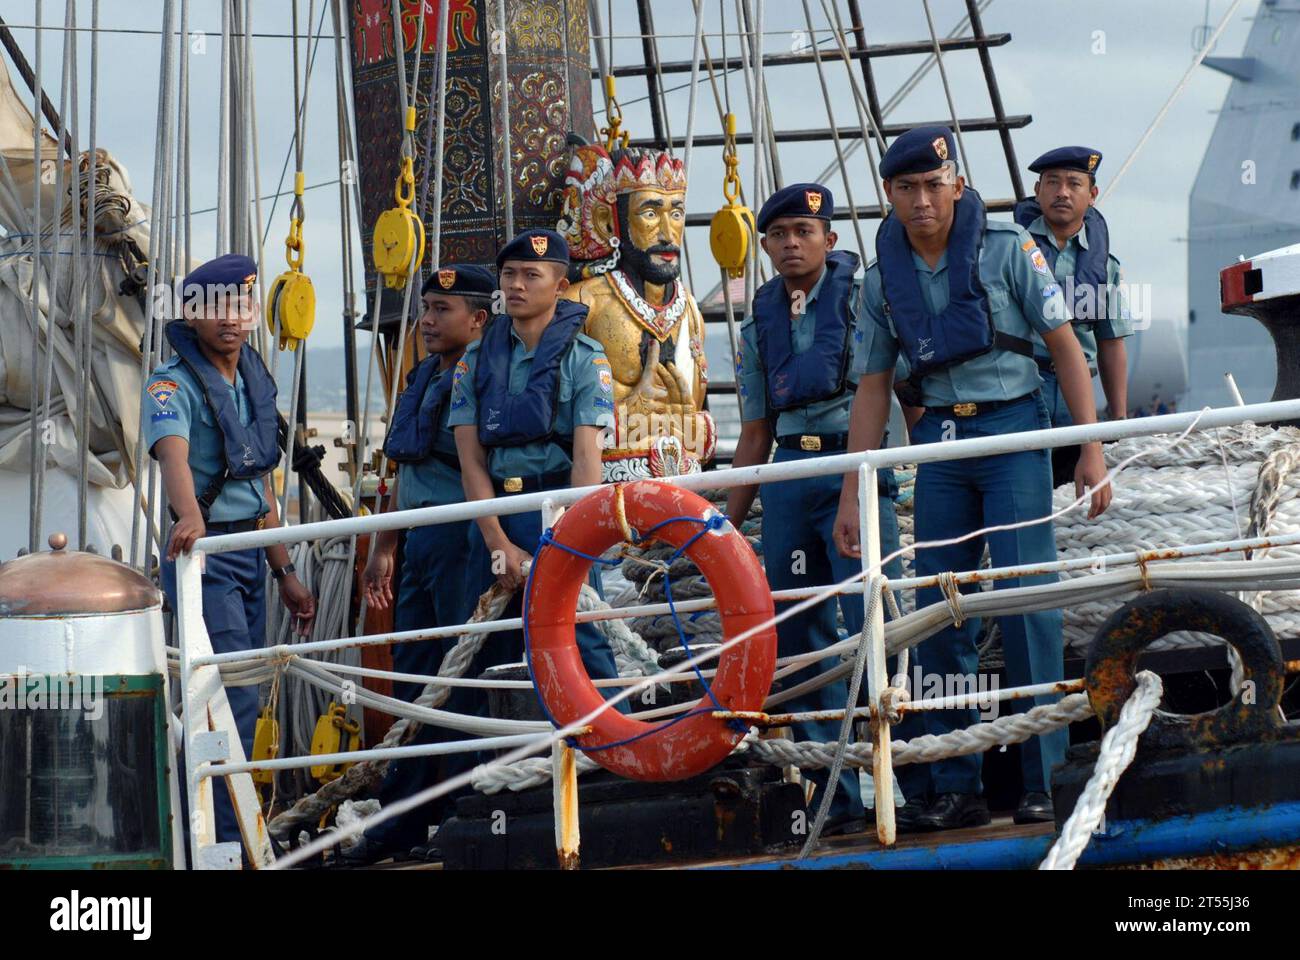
{"x":291,"y":302}
{"x":266,"y":743}
{"x":334,"y":734}
{"x":732,"y":228}
{"x":729,"y":238}
{"x":398,"y":243}
{"x":398,"y":240}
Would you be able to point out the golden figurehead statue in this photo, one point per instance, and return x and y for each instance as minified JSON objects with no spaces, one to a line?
{"x":624,"y":216}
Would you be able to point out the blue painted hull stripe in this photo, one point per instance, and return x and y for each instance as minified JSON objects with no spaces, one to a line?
{"x":1228,"y":830}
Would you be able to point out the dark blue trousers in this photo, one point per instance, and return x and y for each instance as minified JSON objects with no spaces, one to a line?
{"x":431,"y":593}
{"x":959,"y":496}
{"x":799,"y":551}
{"x":234,"y":610}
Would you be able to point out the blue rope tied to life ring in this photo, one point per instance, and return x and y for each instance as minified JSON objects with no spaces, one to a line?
{"x":707,"y":525}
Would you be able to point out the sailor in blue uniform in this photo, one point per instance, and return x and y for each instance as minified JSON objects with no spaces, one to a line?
{"x":211,"y":423}
{"x":1072,"y":235}
{"x":795,"y":385}
{"x":529,"y":402}
{"x":961,"y":297}
{"x":432,"y":591}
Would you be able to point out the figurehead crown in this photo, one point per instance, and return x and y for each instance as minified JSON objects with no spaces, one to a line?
{"x":594,"y":182}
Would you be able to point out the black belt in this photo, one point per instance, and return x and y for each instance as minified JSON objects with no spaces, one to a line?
{"x":236,"y":526}
{"x":447,"y":459}
{"x":531,"y":484}
{"x":1047,"y":366}
{"x":820,"y":442}
{"x":971,"y":409}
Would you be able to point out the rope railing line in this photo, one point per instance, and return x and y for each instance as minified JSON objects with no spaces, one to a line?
{"x":1110,"y":561}
{"x":811,"y":755}
{"x":878,"y":565}
{"x":774,"y":472}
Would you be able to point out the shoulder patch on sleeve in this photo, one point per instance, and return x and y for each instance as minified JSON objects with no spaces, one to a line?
{"x":162,"y":391}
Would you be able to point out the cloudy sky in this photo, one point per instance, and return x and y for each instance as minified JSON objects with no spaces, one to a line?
{"x":1093,"y":72}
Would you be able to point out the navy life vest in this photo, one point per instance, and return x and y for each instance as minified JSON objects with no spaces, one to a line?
{"x":251,"y":451}
{"x":964,"y":330}
{"x":1090,"y":274}
{"x":797,"y":379}
{"x":417,"y":418}
{"x":506,"y":420}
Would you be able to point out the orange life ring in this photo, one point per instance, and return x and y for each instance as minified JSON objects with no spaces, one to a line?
{"x":744,"y":600}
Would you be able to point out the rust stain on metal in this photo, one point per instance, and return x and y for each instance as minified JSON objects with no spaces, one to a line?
{"x":1269,"y":858}
{"x":568,"y":861}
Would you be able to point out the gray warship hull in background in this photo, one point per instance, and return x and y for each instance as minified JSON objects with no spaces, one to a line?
{"x":1245,"y":201}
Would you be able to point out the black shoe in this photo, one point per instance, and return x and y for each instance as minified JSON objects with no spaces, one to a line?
{"x":952,"y":810}
{"x":905,"y":817}
{"x":1035,"y":807}
{"x":430,"y":853}
{"x":366,"y":852}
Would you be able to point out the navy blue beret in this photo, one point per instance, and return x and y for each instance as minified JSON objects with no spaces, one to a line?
{"x":920,"y":150}
{"x":797,"y":200}
{"x":461,"y":281}
{"x":231,"y":273}
{"x":535,"y":245}
{"x":1083,"y":159}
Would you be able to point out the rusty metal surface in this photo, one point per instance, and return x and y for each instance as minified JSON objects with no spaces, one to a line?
{"x":1112,"y":663}
{"x":1271,"y":858}
{"x":69,"y":582}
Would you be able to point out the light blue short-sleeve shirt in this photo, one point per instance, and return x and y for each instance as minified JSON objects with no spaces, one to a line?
{"x":175,"y":406}
{"x":1117,"y":322}
{"x":825,"y":416}
{"x":1024,"y":299}
{"x":432,"y":482}
{"x":586,"y":398}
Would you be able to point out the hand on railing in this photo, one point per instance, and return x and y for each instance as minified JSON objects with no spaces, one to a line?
{"x":509,"y":564}
{"x":185,"y":531}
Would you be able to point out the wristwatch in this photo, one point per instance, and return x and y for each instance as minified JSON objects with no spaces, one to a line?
{"x":283,"y":572}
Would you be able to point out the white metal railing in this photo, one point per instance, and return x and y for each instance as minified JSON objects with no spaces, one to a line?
{"x":217,"y":742}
